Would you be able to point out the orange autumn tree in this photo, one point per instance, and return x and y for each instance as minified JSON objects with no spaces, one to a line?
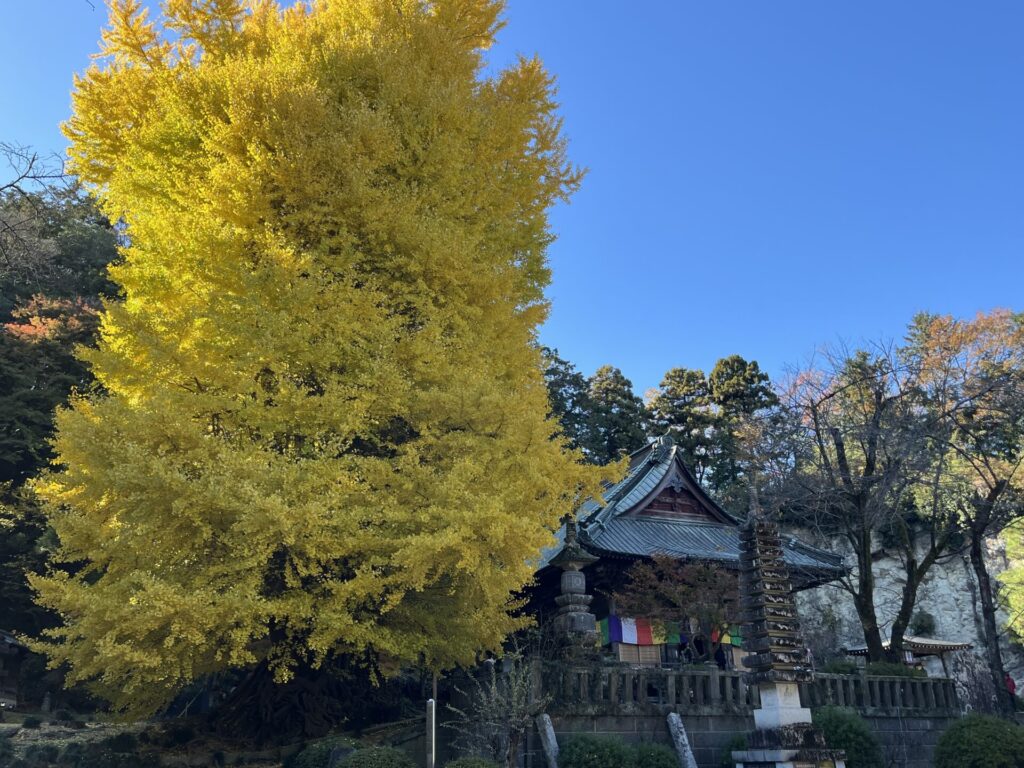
{"x":666,"y":589}
{"x":319,"y":426}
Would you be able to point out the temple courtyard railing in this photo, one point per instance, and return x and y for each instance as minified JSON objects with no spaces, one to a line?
{"x":617,"y":689}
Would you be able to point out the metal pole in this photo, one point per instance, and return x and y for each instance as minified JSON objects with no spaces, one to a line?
{"x":431,"y":733}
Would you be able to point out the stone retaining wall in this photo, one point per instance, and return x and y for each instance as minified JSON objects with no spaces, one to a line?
{"x":907,"y":742}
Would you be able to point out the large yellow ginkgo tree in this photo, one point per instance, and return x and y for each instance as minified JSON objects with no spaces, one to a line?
{"x":320,"y":424}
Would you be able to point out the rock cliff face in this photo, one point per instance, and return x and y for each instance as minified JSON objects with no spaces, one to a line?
{"x":949,"y":595}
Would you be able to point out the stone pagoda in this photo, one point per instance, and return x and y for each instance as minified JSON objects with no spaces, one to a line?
{"x":784,"y":736}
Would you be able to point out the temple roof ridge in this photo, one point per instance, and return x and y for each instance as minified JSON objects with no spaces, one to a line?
{"x":629,"y":522}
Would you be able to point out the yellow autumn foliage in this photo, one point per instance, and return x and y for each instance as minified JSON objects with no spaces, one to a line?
{"x":320,"y":423}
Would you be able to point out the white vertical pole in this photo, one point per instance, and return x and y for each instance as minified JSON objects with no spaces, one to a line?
{"x":431,"y":733}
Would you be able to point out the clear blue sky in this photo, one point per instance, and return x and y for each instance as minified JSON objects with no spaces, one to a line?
{"x":764,"y":177}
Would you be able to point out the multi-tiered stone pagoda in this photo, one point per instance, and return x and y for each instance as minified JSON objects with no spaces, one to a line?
{"x":784,"y":735}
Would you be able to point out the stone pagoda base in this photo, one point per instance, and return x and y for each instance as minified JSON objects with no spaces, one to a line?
{"x":800,"y":745}
{"x":784,"y":758}
{"x":780,"y":706}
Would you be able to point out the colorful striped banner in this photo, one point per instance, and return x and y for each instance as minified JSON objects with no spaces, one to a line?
{"x":735,"y":636}
{"x":629,"y":631}
{"x":617,"y":629}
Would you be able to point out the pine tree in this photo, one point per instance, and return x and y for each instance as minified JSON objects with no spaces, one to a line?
{"x":682,"y":408}
{"x":321,"y":427}
{"x":739,"y":390}
{"x":618,"y":418}
{"x":569,"y":396}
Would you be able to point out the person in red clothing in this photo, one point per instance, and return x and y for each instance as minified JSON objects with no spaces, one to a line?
{"x":1011,"y":685}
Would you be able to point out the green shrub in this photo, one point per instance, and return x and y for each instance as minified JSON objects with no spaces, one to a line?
{"x":378,"y":757}
{"x":6,"y":750}
{"x":923,"y":624}
{"x":981,"y":741}
{"x":62,"y":716}
{"x":123,"y":742}
{"x":471,"y":762}
{"x":31,"y":722}
{"x":738,"y":742}
{"x":894,"y":669}
{"x":845,"y":729}
{"x":316,"y":753}
{"x":174,"y":735}
{"x":97,"y":754}
{"x":656,"y":756}
{"x":41,"y":754}
{"x":841,"y":667}
{"x":72,"y":754}
{"x":596,"y":752}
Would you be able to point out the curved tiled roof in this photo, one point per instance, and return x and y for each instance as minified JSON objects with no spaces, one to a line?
{"x":919,"y":646}
{"x":610,"y":530}
{"x":632,"y":537}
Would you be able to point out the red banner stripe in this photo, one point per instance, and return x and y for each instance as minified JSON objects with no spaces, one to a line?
{"x":643,"y":632}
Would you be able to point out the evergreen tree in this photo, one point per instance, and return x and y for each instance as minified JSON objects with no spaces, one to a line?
{"x":738,"y":390}
{"x":682,"y":408}
{"x":568,"y":396}
{"x":38,"y":370}
{"x":705,"y":415}
{"x":54,"y":243}
{"x":618,"y":418}
{"x":55,"y":246}
{"x":321,"y":428}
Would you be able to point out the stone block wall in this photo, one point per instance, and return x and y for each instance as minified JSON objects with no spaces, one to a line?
{"x":907,"y":742}
{"x":709,"y":735}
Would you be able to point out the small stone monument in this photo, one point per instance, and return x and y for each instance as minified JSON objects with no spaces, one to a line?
{"x":784,"y":736}
{"x":573,"y":620}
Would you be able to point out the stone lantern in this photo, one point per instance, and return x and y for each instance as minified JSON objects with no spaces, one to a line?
{"x":574,"y":622}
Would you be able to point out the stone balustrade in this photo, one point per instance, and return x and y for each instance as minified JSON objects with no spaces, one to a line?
{"x":619,"y":689}
{"x":881,"y":696}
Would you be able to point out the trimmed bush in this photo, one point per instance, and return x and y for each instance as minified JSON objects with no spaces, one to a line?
{"x":31,"y":722}
{"x":738,"y":742}
{"x":923,"y":624}
{"x":894,"y":669}
{"x":596,"y":752}
{"x":378,"y":757}
{"x":73,"y":754}
{"x":656,"y":756}
{"x":121,"y":742}
{"x":981,"y":741}
{"x":471,"y":762}
{"x":41,"y":754}
{"x":316,"y":753}
{"x":841,"y":667}
{"x":845,"y":729}
{"x":175,"y":734}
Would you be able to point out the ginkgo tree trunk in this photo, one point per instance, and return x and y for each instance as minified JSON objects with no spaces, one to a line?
{"x":320,"y":423}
